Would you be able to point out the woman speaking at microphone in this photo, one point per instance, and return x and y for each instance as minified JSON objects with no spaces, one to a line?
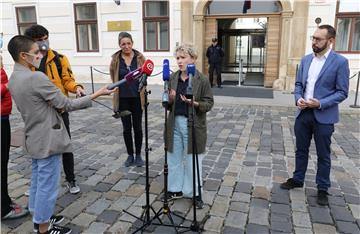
{"x":180,"y":180}
{"x":128,"y":103}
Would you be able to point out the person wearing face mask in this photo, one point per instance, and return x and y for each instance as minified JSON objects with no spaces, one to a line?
{"x":128,"y":101}
{"x":9,"y":209}
{"x":57,"y":68}
{"x":321,"y":84}
{"x":46,"y":138}
{"x":180,"y":180}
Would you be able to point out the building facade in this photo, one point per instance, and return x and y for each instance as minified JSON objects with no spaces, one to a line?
{"x":263,"y":40}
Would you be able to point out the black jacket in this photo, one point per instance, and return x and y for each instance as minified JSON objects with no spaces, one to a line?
{"x":214,"y":54}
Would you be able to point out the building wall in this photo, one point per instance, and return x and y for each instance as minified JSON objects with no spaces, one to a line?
{"x":58,"y":18}
{"x":326,"y":10}
{"x":184,"y":26}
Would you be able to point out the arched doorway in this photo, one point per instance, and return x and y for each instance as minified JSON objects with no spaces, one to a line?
{"x":270,"y":57}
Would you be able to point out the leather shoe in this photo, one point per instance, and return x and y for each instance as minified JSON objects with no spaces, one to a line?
{"x":291,"y":183}
{"x":322,"y":198}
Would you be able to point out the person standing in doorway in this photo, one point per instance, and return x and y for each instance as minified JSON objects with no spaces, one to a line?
{"x":321,"y":84}
{"x":57,"y":68}
{"x":215,"y":54}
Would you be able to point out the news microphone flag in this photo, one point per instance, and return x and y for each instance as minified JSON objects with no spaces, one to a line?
{"x":190,"y":71}
{"x":166,"y":70}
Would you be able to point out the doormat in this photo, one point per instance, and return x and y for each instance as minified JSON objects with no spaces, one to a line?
{"x":242,"y":91}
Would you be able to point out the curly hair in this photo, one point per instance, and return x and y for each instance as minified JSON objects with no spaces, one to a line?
{"x":187,"y":49}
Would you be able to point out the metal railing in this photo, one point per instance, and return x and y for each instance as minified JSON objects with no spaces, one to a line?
{"x":355,"y":105}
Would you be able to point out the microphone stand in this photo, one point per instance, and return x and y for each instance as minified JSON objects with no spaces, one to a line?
{"x":145,"y":216}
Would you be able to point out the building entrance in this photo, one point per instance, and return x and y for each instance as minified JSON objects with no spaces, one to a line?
{"x":243,"y":40}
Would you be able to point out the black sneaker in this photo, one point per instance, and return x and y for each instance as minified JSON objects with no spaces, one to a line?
{"x":199,"y":202}
{"x":54,"y":229}
{"x":172,"y":196}
{"x":322,"y":198}
{"x":55,"y":219}
{"x":138,"y":161}
{"x":129,"y":161}
{"x":291,"y":183}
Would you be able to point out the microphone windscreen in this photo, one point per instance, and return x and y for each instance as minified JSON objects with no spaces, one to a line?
{"x":148,"y":67}
{"x":190,"y":69}
{"x":166,"y":70}
{"x":133,"y":75}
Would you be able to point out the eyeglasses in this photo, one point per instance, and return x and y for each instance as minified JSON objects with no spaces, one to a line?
{"x":317,"y":39}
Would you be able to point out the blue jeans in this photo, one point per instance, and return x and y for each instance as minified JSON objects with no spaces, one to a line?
{"x":305,"y":127}
{"x":44,"y":187}
{"x":180,"y":162}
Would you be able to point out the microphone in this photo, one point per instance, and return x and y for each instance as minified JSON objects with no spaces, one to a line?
{"x":147,"y":69}
{"x":134,"y":75}
{"x":166,"y":78}
{"x":190,"y":71}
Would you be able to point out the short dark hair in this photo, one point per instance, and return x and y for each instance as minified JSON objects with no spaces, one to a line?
{"x":214,"y":39}
{"x":123,"y":35}
{"x":19,"y":44}
{"x":331,"y":32}
{"x":36,"y":31}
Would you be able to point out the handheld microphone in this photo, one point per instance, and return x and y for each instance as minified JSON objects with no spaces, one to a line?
{"x":166,"y":78}
{"x":134,"y":75}
{"x":190,"y":71}
{"x":147,"y":69}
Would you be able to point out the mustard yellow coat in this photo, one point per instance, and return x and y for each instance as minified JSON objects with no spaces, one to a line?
{"x":66,"y":81}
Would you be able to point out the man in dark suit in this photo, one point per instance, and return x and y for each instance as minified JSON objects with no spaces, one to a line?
{"x":215,"y":54}
{"x":321,"y":84}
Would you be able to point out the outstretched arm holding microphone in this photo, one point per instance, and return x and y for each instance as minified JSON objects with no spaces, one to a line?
{"x":46,"y":134}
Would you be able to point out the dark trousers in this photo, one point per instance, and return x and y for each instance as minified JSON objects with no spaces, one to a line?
{"x":305,"y":127}
{"x":5,"y":149}
{"x":132,"y":120}
{"x":68,"y":157}
{"x":216,"y":67}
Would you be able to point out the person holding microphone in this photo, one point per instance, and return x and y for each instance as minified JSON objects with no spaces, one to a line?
{"x":40,"y":104}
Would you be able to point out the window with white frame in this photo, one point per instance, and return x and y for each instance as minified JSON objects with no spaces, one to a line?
{"x":348,"y":26}
{"x":26,"y":17}
{"x":86,"y":27}
{"x":156,"y":25}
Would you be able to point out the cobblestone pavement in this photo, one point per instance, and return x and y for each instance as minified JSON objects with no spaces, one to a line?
{"x":250,"y":152}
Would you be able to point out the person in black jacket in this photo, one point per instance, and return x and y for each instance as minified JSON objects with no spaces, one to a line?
{"x":215,"y":54}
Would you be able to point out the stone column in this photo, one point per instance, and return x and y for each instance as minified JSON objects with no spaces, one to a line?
{"x":186,"y":21}
{"x":199,"y":32}
{"x":298,"y":37}
{"x":286,"y":18}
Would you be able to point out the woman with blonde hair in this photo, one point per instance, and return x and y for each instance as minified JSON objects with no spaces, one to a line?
{"x":177,"y":135}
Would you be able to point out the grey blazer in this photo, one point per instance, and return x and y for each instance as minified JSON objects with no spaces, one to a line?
{"x":37,"y":99}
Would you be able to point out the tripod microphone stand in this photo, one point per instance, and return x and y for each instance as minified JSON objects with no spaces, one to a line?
{"x":145,"y":216}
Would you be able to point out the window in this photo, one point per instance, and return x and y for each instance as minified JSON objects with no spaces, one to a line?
{"x":26,"y":16}
{"x":156,"y":25}
{"x":86,"y":27}
{"x":348,"y":26}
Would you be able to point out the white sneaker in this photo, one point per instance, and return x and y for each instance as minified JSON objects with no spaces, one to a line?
{"x":73,"y":187}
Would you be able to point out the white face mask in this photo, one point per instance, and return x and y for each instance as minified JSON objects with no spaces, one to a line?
{"x":36,"y":59}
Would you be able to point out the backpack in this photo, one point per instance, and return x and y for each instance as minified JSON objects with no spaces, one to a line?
{"x":58,"y":62}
